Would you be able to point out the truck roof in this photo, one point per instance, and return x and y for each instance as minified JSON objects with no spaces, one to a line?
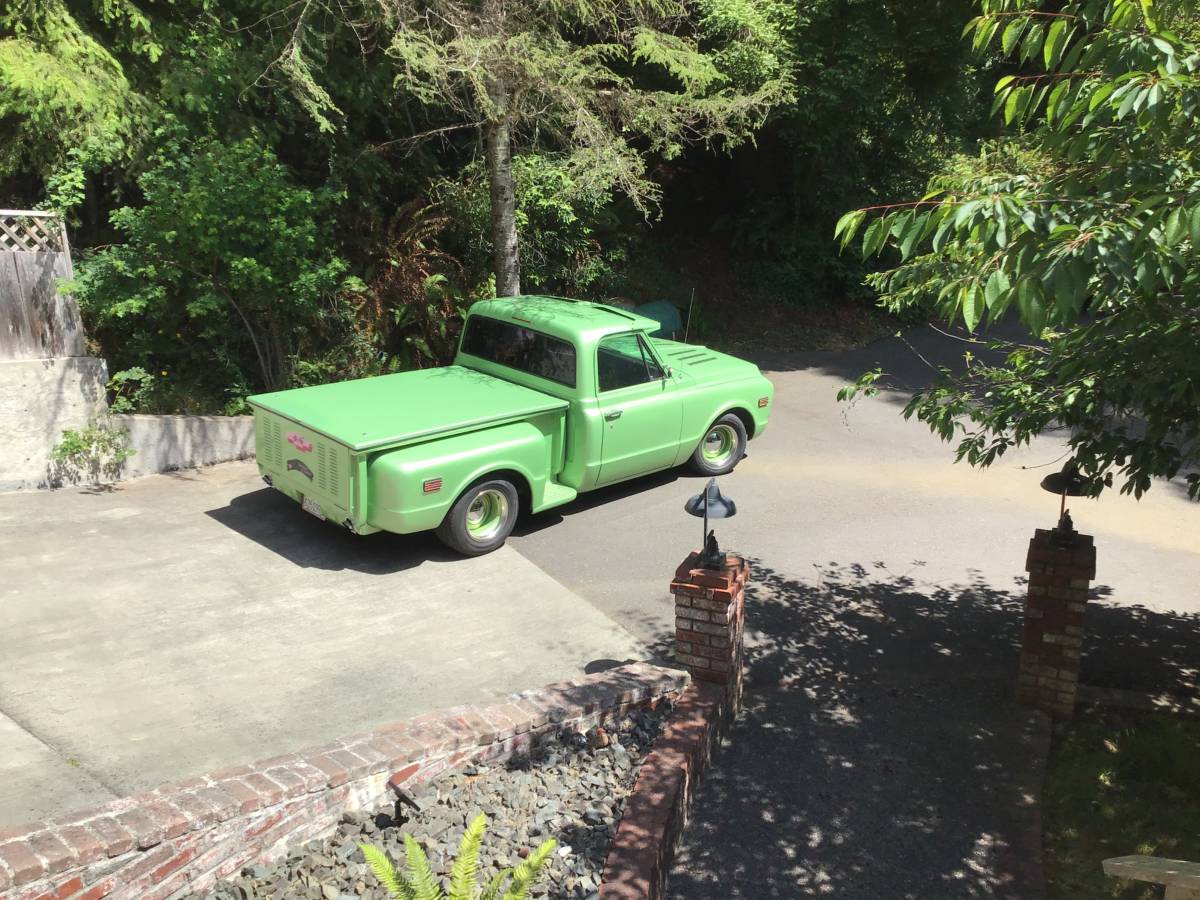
{"x":575,"y":320}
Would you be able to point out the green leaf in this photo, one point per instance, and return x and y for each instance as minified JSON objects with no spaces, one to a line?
{"x":875,"y":237}
{"x":524,"y":874}
{"x":943,"y":234}
{"x":972,"y":302}
{"x":386,"y":873}
{"x":1174,"y":229}
{"x":913,"y":231}
{"x":1194,"y":229}
{"x":421,"y":876}
{"x":1056,"y":38}
{"x":848,"y":225}
{"x":997,"y":285}
{"x":1131,"y":97}
{"x":464,"y":872}
{"x":1012,"y":34}
{"x":1101,"y":94}
{"x":1031,"y":305}
{"x":1056,"y":97}
{"x":1032,"y":44}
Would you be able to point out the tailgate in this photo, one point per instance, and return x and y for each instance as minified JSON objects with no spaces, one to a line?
{"x":302,"y":461}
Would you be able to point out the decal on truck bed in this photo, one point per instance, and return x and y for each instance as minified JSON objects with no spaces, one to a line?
{"x":299,"y":443}
{"x":295,"y":465}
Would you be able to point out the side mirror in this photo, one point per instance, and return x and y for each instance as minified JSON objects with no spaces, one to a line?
{"x":668,"y":373}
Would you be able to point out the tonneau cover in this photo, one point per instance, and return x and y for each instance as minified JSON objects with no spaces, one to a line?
{"x":386,"y":410}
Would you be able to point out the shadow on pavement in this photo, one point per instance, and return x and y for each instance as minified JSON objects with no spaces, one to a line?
{"x":880,"y":754}
{"x":269,"y":518}
{"x":531,"y":524}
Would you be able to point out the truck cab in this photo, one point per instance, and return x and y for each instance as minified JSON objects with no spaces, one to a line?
{"x":546,"y":398}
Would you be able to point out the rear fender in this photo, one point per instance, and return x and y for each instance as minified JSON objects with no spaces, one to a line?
{"x":403,"y":497}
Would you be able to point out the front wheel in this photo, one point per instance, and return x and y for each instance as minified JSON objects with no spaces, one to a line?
{"x":722,"y":448}
{"x":481,"y":519}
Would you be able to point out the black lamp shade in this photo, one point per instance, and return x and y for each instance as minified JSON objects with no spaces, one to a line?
{"x":1068,"y":482}
{"x":719,"y":506}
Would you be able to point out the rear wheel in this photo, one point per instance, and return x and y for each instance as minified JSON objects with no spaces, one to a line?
{"x":722,"y":448}
{"x":481,"y":519}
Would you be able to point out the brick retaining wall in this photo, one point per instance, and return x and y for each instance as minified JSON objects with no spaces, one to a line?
{"x":710,"y":607}
{"x":187,"y":835}
{"x":657,"y":809}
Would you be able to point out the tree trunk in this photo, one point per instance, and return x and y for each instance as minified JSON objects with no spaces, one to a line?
{"x":505,"y":257}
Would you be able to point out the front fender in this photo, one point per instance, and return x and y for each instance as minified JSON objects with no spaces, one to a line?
{"x":397,"y":500}
{"x":705,"y":405}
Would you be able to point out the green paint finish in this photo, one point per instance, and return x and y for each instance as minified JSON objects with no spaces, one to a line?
{"x":388,"y":410}
{"x":393,"y":453}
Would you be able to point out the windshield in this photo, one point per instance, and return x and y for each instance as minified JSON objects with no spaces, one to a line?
{"x":520,"y":348}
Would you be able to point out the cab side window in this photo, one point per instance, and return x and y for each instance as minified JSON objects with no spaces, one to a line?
{"x":623,"y":360}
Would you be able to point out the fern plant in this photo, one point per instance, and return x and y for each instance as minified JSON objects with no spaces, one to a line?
{"x":419,"y":882}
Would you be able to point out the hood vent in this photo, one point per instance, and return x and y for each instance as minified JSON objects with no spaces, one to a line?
{"x":692,"y":356}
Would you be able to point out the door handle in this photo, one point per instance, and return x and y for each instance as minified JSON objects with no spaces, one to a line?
{"x":612,"y":416}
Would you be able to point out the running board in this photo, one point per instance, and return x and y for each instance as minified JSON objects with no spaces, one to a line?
{"x":556,"y":495}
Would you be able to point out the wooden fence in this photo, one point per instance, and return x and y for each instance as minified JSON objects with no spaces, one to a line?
{"x":36,"y":321}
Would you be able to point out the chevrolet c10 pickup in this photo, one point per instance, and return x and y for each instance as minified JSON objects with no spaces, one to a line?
{"x":546,"y":398}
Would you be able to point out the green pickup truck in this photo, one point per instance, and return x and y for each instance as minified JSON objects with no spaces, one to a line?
{"x":546,"y":398}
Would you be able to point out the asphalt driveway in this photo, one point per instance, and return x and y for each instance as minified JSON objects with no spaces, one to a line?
{"x":881,"y":754}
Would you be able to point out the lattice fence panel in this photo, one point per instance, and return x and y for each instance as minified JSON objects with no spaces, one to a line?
{"x":30,"y":232}
{"x":36,"y":321}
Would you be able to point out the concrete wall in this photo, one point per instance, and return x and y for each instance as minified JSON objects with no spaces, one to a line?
{"x":164,"y":443}
{"x":39,"y":398}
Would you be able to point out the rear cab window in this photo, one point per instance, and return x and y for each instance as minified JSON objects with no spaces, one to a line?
{"x":520,"y":348}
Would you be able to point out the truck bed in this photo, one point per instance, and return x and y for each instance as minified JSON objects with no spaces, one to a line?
{"x":390,"y":410}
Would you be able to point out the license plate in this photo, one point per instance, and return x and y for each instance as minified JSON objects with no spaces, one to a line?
{"x":309,"y":505}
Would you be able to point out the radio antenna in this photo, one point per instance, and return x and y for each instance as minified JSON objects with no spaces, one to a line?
{"x":688,"y":324}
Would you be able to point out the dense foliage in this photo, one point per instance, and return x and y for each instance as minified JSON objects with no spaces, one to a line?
{"x":370,"y":160}
{"x":1087,"y":225}
{"x":226,"y":262}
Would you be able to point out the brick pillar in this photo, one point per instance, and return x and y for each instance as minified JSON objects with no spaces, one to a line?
{"x":709,"y":621}
{"x":1060,"y":568}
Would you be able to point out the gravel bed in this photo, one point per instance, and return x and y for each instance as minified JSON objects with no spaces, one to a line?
{"x":572,"y":788}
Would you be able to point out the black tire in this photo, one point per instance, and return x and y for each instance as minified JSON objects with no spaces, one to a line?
{"x":482,"y":518}
{"x":720,"y":456}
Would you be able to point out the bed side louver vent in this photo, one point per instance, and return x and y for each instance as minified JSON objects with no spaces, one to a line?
{"x":273,"y":448}
{"x":322,"y":468}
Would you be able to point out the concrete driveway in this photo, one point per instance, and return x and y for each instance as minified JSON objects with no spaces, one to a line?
{"x":181,"y":623}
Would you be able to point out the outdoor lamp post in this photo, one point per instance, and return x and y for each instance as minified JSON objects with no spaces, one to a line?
{"x":1066,"y":483}
{"x":711,"y":503}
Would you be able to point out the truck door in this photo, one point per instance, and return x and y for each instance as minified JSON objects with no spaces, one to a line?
{"x":641,"y":410}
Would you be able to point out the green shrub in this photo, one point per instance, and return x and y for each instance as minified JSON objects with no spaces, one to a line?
{"x":130,"y":390}
{"x":96,"y":450}
{"x":418,"y":882}
{"x":223,"y":277}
